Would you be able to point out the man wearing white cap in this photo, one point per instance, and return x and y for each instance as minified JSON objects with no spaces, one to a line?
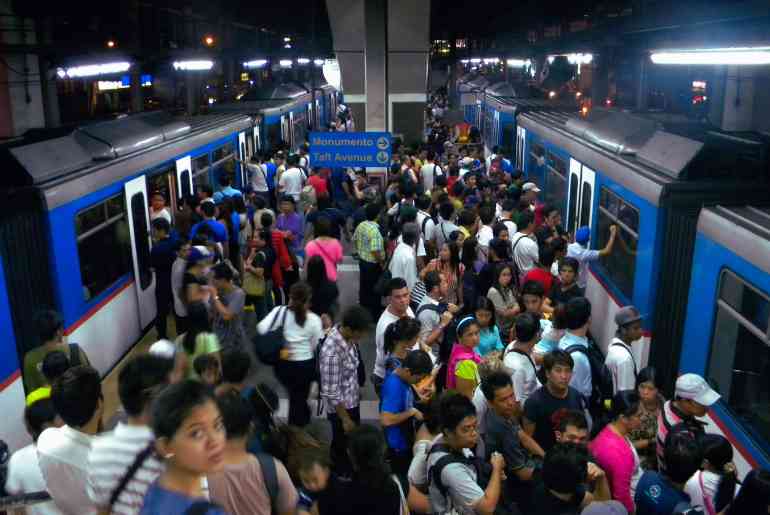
{"x":692,"y":398}
{"x":620,"y":358}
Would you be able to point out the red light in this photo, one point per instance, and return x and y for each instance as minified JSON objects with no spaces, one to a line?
{"x":208,"y":40}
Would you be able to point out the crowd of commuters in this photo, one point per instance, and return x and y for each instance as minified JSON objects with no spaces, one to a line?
{"x":493,"y":395}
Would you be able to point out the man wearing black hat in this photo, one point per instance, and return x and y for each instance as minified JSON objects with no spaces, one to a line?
{"x":620,"y":358}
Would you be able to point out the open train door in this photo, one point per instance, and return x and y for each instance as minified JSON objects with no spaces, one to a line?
{"x":139,"y":231}
{"x":255,"y":135}
{"x":580,"y":196}
{"x":244,"y":158}
{"x":184,"y":177}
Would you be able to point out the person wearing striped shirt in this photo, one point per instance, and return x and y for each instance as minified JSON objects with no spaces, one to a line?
{"x":112,"y":486}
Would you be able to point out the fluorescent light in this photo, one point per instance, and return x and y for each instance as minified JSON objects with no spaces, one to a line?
{"x":516,"y":63}
{"x":193,"y":65}
{"x":211,"y":100}
{"x":714,"y":56}
{"x":303,"y":60}
{"x":475,"y":60}
{"x":256,"y":63}
{"x":286,"y":39}
{"x":91,"y":70}
{"x":551,"y":59}
{"x":285,"y":63}
{"x":465,"y":61}
{"x":287,"y":45}
{"x":491,"y":60}
{"x":579,"y":58}
{"x":318,"y":62}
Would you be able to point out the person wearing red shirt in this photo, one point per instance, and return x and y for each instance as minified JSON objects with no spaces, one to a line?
{"x":283,"y":260}
{"x":542,"y":270}
{"x":319,"y":181}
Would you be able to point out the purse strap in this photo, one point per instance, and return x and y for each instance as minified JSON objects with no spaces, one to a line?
{"x":273,"y":327}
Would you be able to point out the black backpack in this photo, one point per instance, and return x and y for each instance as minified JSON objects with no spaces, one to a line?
{"x":450,"y":333}
{"x":601,"y":377}
{"x":483,"y":469}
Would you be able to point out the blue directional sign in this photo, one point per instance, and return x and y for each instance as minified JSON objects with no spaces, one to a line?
{"x":350,"y":149}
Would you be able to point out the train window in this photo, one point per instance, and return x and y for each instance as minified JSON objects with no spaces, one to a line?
{"x":620,"y":265}
{"x":556,"y":182}
{"x":274,"y":137}
{"x":200,"y":163}
{"x":585,"y":205}
{"x":739,"y":361}
{"x":538,"y":150}
{"x":141,"y":231}
{"x":100,"y":227}
{"x":161,"y":181}
{"x":222,"y":152}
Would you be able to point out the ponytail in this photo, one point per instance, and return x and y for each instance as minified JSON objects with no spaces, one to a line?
{"x":403,"y":329}
{"x":391,"y":336}
{"x":131,"y":472}
{"x":726,"y":489}
{"x":718,"y":451}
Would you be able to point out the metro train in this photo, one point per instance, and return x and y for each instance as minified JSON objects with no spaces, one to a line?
{"x":285,"y":113}
{"x":653,"y":176}
{"x":74,"y":228}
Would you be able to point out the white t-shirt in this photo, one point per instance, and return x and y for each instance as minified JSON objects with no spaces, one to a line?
{"x":460,"y":481}
{"x":480,"y":403}
{"x":403,"y":264}
{"x":385,"y":320}
{"x":525,"y":252}
{"x":426,"y":175}
{"x":523,"y":373}
{"x":300,"y":341}
{"x":430,"y":225}
{"x":63,"y":454}
{"x":111,"y":456}
{"x":258,"y":177}
{"x":621,"y":364}
{"x":511,"y":226}
{"x":485,"y":235}
{"x":163,"y":213}
{"x":698,"y":495}
{"x":420,"y":246}
{"x":24,"y":477}
{"x":584,"y":256}
{"x":177,"y":280}
{"x":291,"y":182}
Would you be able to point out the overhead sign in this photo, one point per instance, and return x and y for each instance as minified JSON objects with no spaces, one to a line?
{"x":350,"y":149}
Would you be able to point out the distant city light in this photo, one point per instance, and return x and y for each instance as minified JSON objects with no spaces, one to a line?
{"x":516,"y":63}
{"x":287,"y":45}
{"x":579,"y":58}
{"x":208,"y":40}
{"x":285,"y":63}
{"x":699,"y":84}
{"x":91,"y":70}
{"x":256,"y":63}
{"x":465,"y":61}
{"x":745,"y":56}
{"x":211,"y":100}
{"x":110,"y":43}
{"x":578,"y":94}
{"x":475,"y":60}
{"x":318,"y":62}
{"x":551,"y":94}
{"x":202,"y":65}
{"x":491,"y":60}
{"x":303,"y":60}
{"x":287,"y":39}
{"x":551,"y":59}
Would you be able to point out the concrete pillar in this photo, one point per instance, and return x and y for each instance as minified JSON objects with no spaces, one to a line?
{"x":376,"y":64}
{"x":408,"y":63}
{"x":601,"y":77}
{"x":191,"y":87}
{"x":49,"y":93}
{"x":346,"y":18}
{"x":641,"y":82}
{"x":137,"y":100}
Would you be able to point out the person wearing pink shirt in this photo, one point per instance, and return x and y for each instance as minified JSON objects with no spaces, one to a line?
{"x":613,"y":451}
{"x":326,"y":246}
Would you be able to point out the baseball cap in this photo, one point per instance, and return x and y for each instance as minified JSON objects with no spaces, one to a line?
{"x":627,"y":315}
{"x":530,"y":186}
{"x":198,"y":253}
{"x":163,"y":349}
{"x":695,"y":388}
{"x":582,"y":235}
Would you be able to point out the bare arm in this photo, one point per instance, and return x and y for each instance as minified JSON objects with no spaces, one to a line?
{"x":393,"y":419}
{"x":530,"y":444}
{"x":487,"y":504}
{"x":607,"y":250}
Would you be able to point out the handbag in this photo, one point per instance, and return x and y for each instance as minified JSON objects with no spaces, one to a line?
{"x":253,"y":285}
{"x":268,"y":346}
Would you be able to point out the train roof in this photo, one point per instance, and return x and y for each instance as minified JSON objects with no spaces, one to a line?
{"x":744,"y":230}
{"x":271,"y":100}
{"x":660,"y":148}
{"x":517,"y":105}
{"x":101,"y":153}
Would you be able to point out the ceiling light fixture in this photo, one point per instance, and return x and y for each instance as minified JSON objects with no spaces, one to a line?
{"x":741,"y":56}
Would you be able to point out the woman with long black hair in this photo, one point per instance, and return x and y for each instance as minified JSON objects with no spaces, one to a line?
{"x":302,"y":330}
{"x":713,"y":487}
{"x":324,"y":301}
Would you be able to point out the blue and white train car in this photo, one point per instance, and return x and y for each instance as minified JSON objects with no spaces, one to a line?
{"x":651,"y":179}
{"x":727,"y":332}
{"x":78,"y":239}
{"x":285,"y":113}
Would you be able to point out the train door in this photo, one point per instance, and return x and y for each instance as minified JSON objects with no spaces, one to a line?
{"x":311,"y":115}
{"x":243,"y":157}
{"x":255,"y":135}
{"x":290,"y":131}
{"x":139,"y":224}
{"x":184,"y":177}
{"x":580,"y":196}
{"x":318,"y":117}
{"x":521,"y":142}
{"x":285,"y":130}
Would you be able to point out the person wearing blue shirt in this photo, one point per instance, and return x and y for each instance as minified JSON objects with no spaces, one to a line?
{"x":577,"y":313}
{"x":658,"y":494}
{"x":227,"y":190}
{"x":397,"y":411}
{"x":208,"y":209}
